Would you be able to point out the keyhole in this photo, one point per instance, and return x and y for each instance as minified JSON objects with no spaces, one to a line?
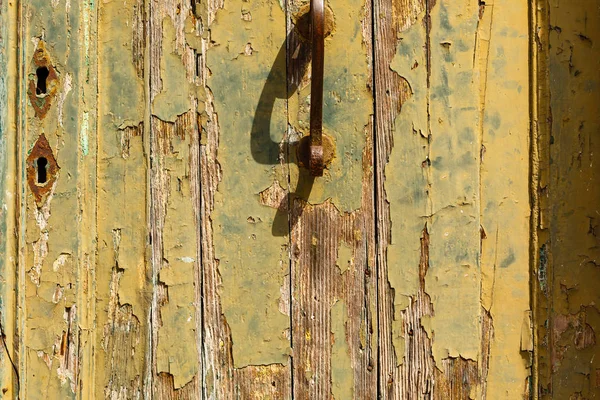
{"x":41,"y":170}
{"x":42,"y":74}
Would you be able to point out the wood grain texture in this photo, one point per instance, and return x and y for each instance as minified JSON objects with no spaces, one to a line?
{"x":53,"y":237}
{"x":333,"y":289}
{"x":568,"y":272}
{"x":9,"y":342}
{"x":168,"y":242}
{"x":175,"y":209}
{"x":391,"y":91}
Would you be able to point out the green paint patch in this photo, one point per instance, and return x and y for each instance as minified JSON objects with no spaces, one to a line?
{"x":83,"y":136}
{"x":406,"y":177}
{"x":345,"y":257}
{"x":347,"y":108}
{"x":175,"y":97}
{"x":509,"y":260}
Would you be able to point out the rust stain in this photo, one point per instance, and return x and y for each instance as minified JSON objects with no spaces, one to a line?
{"x":571,"y":331}
{"x":41,"y":183}
{"x":303,"y":151}
{"x":301,"y":21}
{"x":43,"y":83}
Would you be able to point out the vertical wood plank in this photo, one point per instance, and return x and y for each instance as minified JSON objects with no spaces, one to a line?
{"x":437,"y":322}
{"x":505,"y":253}
{"x":175,"y":201}
{"x":332,"y":221}
{"x":9,"y":195}
{"x":541,"y":121}
{"x":391,"y":93}
{"x":244,"y":219}
{"x":56,"y":232}
{"x":123,"y":270}
{"x":88,"y":159}
{"x":569,"y":251}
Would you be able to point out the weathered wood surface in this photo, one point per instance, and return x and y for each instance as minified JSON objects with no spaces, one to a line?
{"x":453,"y":267}
{"x":175,"y":247}
{"x":567,"y":198}
{"x":9,"y":382}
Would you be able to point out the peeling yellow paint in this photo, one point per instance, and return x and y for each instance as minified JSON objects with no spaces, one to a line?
{"x":505,"y":208}
{"x":122,"y":291}
{"x":250,"y":261}
{"x":453,"y":279}
{"x":345,"y":257}
{"x":52,"y":226}
{"x":85,"y":326}
{"x":347,"y":105}
{"x":439,"y":173}
{"x":406,"y":176}
{"x":174,"y":98}
{"x":342,"y":373}
{"x":176,"y":352}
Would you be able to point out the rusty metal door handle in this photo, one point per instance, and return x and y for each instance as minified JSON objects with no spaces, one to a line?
{"x":317,"y":19}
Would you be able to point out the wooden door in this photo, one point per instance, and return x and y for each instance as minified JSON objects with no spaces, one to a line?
{"x":160,"y":237}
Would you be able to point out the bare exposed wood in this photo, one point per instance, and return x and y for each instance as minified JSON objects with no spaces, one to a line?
{"x":175,"y":185}
{"x":319,"y":283}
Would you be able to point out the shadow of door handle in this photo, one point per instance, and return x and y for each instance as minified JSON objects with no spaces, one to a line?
{"x":317,"y":19}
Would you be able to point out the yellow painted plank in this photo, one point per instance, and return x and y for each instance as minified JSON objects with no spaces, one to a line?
{"x":52,"y":215}
{"x":453,"y":279}
{"x":123,"y":290}
{"x":175,"y":201}
{"x":449,"y":174}
{"x":252,"y":262}
{"x":8,"y":199}
{"x":505,"y":209}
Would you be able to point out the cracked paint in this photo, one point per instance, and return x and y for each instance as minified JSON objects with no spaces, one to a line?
{"x":122,"y":273}
{"x":250,"y":263}
{"x":173,"y":99}
{"x":442,"y":174}
{"x":52,"y":217}
{"x":176,"y":349}
{"x":453,"y":279}
{"x":347,"y":105}
{"x":406,"y":179}
{"x":110,"y":302}
{"x":505,"y":287}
